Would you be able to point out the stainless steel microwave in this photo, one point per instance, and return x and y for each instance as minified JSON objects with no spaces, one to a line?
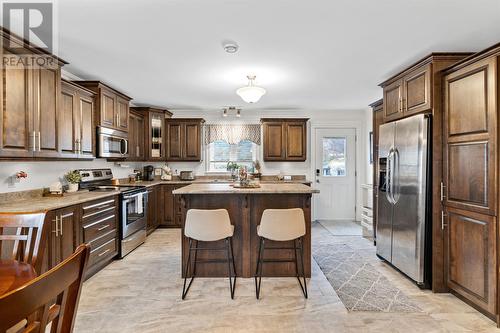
{"x":112,"y":143}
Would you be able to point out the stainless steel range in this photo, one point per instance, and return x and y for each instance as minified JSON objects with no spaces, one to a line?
{"x":133,"y":206}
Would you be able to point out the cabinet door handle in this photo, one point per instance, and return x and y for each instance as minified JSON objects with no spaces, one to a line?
{"x":57,"y":226}
{"x":400,"y":104}
{"x":39,"y":142}
{"x":443,"y":223}
{"x":443,"y":196}
{"x":34,"y":141}
{"x":60,"y":225}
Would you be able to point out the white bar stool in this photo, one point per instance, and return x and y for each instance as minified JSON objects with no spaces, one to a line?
{"x":282,"y":225}
{"x":209,"y":225}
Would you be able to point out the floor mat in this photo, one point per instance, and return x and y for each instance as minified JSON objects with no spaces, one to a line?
{"x":359,"y":285}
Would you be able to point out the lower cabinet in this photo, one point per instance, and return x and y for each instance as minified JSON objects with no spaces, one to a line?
{"x":471,"y":257}
{"x":171,"y":204}
{"x":154,"y":208}
{"x":63,"y":235}
{"x":94,"y":222}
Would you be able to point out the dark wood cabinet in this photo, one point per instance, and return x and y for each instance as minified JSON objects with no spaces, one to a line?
{"x":29,"y":115}
{"x":112,"y":106}
{"x":171,"y":204}
{"x":378,"y":117}
{"x":155,"y":210}
{"x":154,"y":132}
{"x":183,"y":139}
{"x":94,"y":223}
{"x":63,"y":235}
{"x":470,"y":179}
{"x":393,"y":98}
{"x":76,"y":125}
{"x":284,"y":139}
{"x":136,"y":137}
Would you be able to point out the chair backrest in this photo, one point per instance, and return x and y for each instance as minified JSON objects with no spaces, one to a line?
{"x":33,"y":303}
{"x":27,"y":232}
{"x":208,"y":224}
{"x":282,"y":224}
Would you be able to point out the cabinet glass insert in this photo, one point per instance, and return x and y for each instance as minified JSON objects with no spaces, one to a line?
{"x":156,"y":135}
{"x":334,"y":157}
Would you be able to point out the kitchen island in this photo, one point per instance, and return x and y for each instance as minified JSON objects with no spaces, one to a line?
{"x":245,"y":207}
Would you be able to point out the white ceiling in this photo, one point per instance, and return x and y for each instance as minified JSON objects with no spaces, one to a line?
{"x":322,"y":55}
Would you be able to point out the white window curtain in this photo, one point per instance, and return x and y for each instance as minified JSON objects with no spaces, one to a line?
{"x":232,"y":133}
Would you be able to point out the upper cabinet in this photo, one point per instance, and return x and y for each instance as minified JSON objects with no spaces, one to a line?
{"x":154,"y":132}
{"x":411,"y":91}
{"x":76,"y":125}
{"x":112,"y":107}
{"x":136,"y":137}
{"x":284,"y":139}
{"x":183,"y":139}
{"x":29,"y":102}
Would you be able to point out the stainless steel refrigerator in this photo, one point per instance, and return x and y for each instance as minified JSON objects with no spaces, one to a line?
{"x":403,"y":222}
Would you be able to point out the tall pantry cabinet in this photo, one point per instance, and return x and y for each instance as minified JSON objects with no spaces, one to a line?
{"x":470,"y":179}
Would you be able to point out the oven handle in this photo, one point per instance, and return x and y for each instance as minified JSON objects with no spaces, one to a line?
{"x":126,"y":197}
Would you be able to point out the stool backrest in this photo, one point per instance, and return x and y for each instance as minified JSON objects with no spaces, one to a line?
{"x":25,"y":234}
{"x":32,"y":305}
{"x":282,"y":224}
{"x":208,"y":224}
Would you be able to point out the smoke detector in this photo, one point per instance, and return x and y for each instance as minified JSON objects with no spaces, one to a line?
{"x":230,"y":47}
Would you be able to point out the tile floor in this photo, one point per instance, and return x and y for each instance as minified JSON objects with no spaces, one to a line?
{"x":141,"y":293}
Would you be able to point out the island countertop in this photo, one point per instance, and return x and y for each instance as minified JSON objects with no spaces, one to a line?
{"x":228,"y":189}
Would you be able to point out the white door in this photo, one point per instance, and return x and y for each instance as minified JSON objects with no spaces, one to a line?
{"x":335,"y":174}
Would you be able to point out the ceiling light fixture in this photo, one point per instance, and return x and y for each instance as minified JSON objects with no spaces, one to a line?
{"x":227,"y":111}
{"x":251,"y":93}
{"x":230,"y":47}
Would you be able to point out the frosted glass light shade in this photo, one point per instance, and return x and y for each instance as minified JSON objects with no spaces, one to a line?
{"x":251,"y":94}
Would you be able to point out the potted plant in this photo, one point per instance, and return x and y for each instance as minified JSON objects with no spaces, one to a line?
{"x":233,"y":168}
{"x":73,"y":178}
{"x":257,"y":168}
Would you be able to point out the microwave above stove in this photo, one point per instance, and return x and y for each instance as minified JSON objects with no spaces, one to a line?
{"x":112,"y":143}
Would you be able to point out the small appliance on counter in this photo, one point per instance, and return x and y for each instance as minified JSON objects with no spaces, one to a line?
{"x":149,"y":173}
{"x":187,"y":175}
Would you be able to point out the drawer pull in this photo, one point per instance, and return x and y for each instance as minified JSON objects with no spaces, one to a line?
{"x":104,"y":227}
{"x":99,"y":204}
{"x":100,"y":211}
{"x":101,"y":220}
{"x":103,"y":253}
{"x":128,"y":240}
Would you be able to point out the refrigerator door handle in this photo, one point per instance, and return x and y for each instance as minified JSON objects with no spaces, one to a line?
{"x":388,"y":186}
{"x":395,"y":177}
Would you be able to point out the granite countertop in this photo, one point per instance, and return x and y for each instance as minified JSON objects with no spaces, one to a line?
{"x":148,"y":183}
{"x":39,"y":204}
{"x":263,"y":189}
{"x":33,"y":201}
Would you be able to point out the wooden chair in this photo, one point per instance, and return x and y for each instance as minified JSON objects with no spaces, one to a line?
{"x":33,"y":303}
{"x":29,"y":237}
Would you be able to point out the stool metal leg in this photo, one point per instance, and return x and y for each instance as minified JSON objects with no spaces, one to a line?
{"x":258,"y":271}
{"x":186,"y":270}
{"x":303,"y":287}
{"x":230,"y":258}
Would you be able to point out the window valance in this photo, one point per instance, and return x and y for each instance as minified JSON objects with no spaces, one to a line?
{"x":232,"y":133}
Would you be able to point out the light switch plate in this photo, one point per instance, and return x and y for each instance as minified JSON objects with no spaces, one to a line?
{"x":287,"y":178}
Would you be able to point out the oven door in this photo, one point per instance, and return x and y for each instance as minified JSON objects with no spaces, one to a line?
{"x":112,"y":143}
{"x":134,"y":213}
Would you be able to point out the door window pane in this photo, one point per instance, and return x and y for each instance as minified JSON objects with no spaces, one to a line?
{"x":334,"y":157}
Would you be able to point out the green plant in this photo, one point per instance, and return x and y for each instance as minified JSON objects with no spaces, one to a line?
{"x":232,"y":166}
{"x":73,"y":177}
